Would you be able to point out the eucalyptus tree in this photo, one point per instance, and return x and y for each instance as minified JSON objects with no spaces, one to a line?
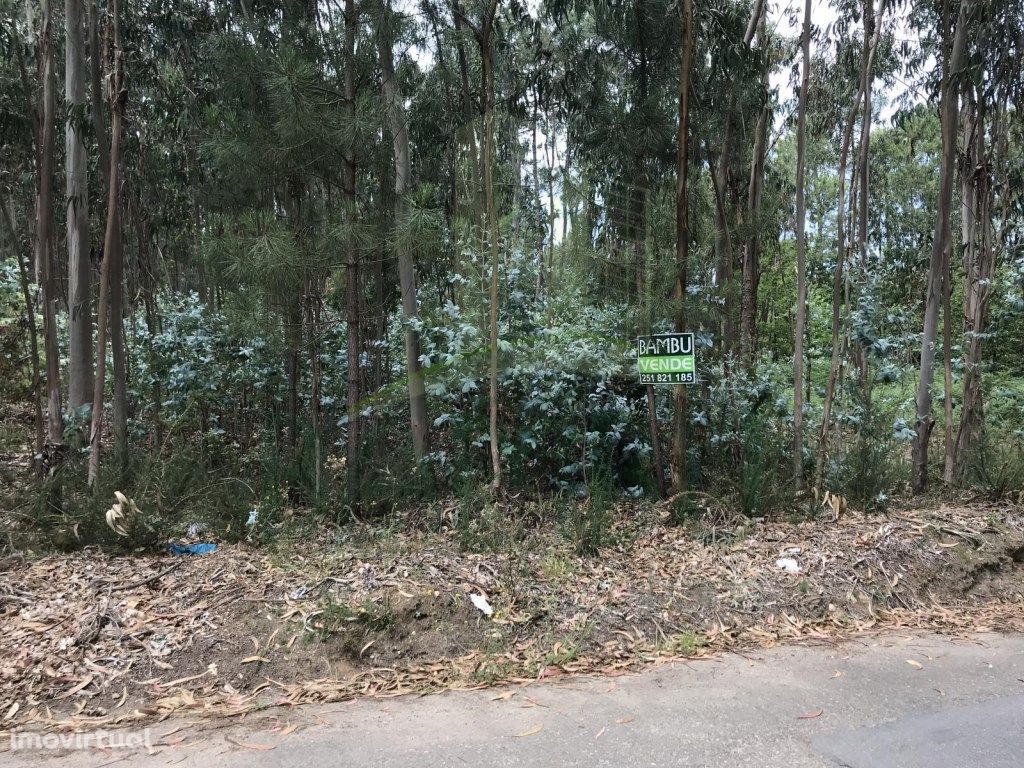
{"x":616,"y":73}
{"x":79,"y":269}
{"x":801,"y":251}
{"x":109,"y":305}
{"x":948,"y":110}
{"x":870,"y":41}
{"x":751,"y":264}
{"x":680,"y":412}
{"x":993,"y":91}
{"x":46,"y":267}
{"x":482,"y":26}
{"x":399,"y":130}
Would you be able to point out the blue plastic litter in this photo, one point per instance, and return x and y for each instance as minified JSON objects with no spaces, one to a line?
{"x":191,"y":549}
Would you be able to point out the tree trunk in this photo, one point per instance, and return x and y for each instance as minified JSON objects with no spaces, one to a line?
{"x":864,"y":154}
{"x":752,"y":247}
{"x":838,"y":277}
{"x":149,"y":289}
{"x":80,"y":371}
{"x":353,"y":447}
{"x":399,"y":130}
{"x":111,"y":247}
{"x":536,"y":199}
{"x":724,"y":257}
{"x":311,"y":304}
{"x":33,"y":335}
{"x":115,"y":319}
{"x":645,"y":328}
{"x":44,"y":224}
{"x":96,"y":94}
{"x":947,"y":366}
{"x":487,"y":56}
{"x":801,"y":257}
{"x":723,"y":239}
{"x":979,"y":267}
{"x":923,"y":422}
{"x":680,"y":410}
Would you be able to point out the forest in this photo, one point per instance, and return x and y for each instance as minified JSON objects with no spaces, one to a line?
{"x":341,"y":259}
{"x":359,"y":348}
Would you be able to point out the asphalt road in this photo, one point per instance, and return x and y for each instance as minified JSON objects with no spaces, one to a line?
{"x":891,"y":701}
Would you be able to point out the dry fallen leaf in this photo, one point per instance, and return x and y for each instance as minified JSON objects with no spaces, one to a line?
{"x":811,"y":715}
{"x":836,"y":674}
{"x":915,"y":663}
{"x":503,"y":696}
{"x":625,"y":720}
{"x":249,"y":745}
{"x":530,"y":732}
{"x":252,"y":659}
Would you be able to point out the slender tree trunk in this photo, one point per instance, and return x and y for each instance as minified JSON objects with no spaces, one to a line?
{"x":723,"y":238}
{"x":947,"y":366}
{"x":864,"y":155}
{"x":680,"y":408}
{"x":948,"y":118}
{"x":979,"y":268}
{"x":801,"y":257}
{"x":80,"y":371}
{"x":44,"y":225}
{"x":96,"y":56}
{"x":293,"y":322}
{"x":468,"y":129}
{"x":33,"y":335}
{"x":399,"y":130}
{"x":724,"y":257}
{"x":536,"y":198}
{"x":352,"y":279}
{"x":552,"y":164}
{"x":838,"y":278}
{"x":118,"y":352}
{"x":645,"y":328}
{"x":752,"y":247}
{"x":111,"y":245}
{"x":149,"y":289}
{"x":487,"y":56}
{"x":311,"y":304}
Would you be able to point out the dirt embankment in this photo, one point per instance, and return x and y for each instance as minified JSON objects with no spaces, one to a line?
{"x":93,"y":638}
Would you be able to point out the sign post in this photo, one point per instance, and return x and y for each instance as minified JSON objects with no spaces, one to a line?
{"x":666,"y":358}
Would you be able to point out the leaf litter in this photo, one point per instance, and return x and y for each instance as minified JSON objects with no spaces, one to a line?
{"x":94,"y":639}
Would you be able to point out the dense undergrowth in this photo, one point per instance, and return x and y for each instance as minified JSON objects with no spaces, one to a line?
{"x":217,"y":455}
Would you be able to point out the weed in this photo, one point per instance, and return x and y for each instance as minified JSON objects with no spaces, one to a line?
{"x":996,"y":467}
{"x":587,"y":523}
{"x":556,"y":566}
{"x":353,"y":626}
{"x":866,"y":473}
{"x":684,"y":509}
{"x":683,"y":644}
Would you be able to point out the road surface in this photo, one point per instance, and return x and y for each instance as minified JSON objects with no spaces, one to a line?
{"x":890,"y":701}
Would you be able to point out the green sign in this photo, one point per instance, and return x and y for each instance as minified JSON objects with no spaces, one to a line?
{"x":666,"y":358}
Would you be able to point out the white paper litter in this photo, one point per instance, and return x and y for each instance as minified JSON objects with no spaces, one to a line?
{"x":788,"y":564}
{"x":481,"y":603}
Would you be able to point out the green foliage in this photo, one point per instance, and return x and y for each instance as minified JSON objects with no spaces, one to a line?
{"x":177,"y":495}
{"x":354,"y":626}
{"x":746,"y":451}
{"x":996,"y":466}
{"x":871,"y":462}
{"x":15,"y":359}
{"x":587,"y":523}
